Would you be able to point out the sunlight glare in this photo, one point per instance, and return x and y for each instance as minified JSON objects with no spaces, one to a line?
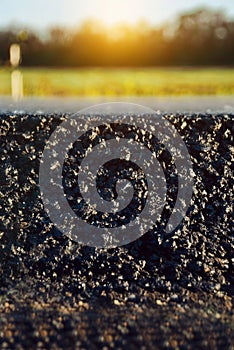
{"x":112,"y":12}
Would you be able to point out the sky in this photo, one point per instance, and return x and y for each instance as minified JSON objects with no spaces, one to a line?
{"x":41,"y":14}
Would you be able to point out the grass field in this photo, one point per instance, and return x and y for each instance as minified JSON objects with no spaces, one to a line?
{"x":122,"y":82}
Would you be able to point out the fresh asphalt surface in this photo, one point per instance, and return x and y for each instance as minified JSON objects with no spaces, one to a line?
{"x":194,"y":104}
{"x":175,"y":293}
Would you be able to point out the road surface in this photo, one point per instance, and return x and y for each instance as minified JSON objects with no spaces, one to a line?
{"x":196,"y":104}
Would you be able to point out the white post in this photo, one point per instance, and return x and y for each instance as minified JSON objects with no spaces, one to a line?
{"x":15,"y":55}
{"x":16,"y":76}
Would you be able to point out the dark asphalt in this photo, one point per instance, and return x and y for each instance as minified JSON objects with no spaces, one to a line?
{"x":172,"y":293}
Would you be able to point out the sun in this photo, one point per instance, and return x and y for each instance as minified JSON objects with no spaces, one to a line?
{"x":112,"y":12}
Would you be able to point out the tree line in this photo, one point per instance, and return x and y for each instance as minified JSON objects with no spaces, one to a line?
{"x":200,"y":38}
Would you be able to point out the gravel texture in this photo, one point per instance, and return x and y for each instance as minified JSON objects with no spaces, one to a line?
{"x":175,"y":293}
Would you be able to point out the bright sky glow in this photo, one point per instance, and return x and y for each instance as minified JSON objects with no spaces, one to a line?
{"x":44,"y":13}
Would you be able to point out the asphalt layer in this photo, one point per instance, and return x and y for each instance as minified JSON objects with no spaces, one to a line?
{"x":170,"y":293}
{"x":188,"y":104}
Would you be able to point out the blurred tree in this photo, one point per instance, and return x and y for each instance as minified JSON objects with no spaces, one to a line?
{"x":202,"y":37}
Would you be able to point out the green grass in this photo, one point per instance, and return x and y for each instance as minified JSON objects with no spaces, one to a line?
{"x":122,"y":82}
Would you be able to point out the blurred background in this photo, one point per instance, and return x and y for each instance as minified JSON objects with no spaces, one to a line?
{"x":118,"y":48}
